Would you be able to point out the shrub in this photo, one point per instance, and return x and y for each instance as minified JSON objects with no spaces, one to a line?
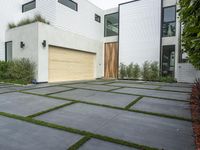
{"x":18,"y":71}
{"x":136,"y":71}
{"x":146,"y":71}
{"x":168,"y":79}
{"x":154,"y":71}
{"x":129,"y":70}
{"x":122,"y":70}
{"x":37,"y":18}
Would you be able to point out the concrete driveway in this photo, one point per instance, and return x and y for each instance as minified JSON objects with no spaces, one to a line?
{"x":100,"y":115}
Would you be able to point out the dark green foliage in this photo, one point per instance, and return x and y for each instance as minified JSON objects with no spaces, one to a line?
{"x":122,"y":70}
{"x":190,"y":18}
{"x":129,"y":70}
{"x":136,"y":71}
{"x":146,"y":71}
{"x":17,"y":71}
{"x":37,"y":18}
{"x":168,"y":79}
{"x":150,"y":71}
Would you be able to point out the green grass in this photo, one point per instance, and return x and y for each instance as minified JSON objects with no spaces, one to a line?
{"x":114,"y":107}
{"x":51,"y":109}
{"x":77,"y":131}
{"x":134,"y":102}
{"x":78,"y":144}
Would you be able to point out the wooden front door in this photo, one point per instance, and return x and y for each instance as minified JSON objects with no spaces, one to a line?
{"x":111,"y":60}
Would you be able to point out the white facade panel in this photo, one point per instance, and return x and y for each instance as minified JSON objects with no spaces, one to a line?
{"x":139,"y":37}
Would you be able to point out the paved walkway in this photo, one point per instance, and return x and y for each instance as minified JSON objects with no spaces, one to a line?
{"x":100,"y":115}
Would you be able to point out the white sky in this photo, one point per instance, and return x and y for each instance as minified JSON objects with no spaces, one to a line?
{"x":106,"y":4}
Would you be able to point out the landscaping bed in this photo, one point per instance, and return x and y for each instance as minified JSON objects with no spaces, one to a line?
{"x":195,"y":106}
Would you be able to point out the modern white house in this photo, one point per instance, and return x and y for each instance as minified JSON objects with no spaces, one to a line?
{"x":85,"y":42}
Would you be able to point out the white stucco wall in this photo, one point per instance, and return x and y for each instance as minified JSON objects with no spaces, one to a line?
{"x":29,"y":36}
{"x":34,"y":34}
{"x":139,"y":37}
{"x":10,"y":12}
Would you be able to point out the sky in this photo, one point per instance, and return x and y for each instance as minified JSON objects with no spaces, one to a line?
{"x":107,"y":4}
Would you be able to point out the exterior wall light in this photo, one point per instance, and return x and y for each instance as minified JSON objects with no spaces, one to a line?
{"x":44,"y":43}
{"x":22,"y":45}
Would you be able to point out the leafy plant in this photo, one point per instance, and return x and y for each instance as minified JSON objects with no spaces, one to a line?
{"x":122,"y":70}
{"x":146,"y":71}
{"x":190,"y":18}
{"x":37,"y":18}
{"x":136,"y":71}
{"x":18,"y":71}
{"x":168,"y":79}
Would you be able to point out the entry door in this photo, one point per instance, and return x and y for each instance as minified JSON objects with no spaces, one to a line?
{"x":168,"y":60}
{"x":111,"y":60}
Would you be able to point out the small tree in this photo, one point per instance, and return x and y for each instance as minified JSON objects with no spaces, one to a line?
{"x":146,"y":71}
{"x":129,"y":70}
{"x":154,"y":71}
{"x":122,"y":69}
{"x":136,"y":71}
{"x":190,"y":18}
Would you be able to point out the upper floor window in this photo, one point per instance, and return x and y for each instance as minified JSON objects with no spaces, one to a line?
{"x":111,"y":24}
{"x":69,"y":3}
{"x":29,"y":6}
{"x":97,"y":18}
{"x":169,"y":21}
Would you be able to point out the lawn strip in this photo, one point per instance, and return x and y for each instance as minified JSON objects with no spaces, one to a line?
{"x":77,"y":131}
{"x":61,"y":91}
{"x":115,"y":107}
{"x":51,"y":109}
{"x":133,"y":102}
{"x":78,"y":144}
{"x":115,"y":89}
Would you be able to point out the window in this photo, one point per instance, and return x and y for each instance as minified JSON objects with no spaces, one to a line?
{"x":8,"y":51}
{"x":169,"y":21}
{"x":29,"y":6}
{"x":69,"y":3}
{"x":97,"y":18}
{"x":111,"y":24}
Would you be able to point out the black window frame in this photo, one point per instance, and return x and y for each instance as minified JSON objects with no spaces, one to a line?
{"x":76,"y":4}
{"x":105,"y":24}
{"x":34,"y":1}
{"x":6,"y":58}
{"x":164,"y":22}
{"x":97,"y":18}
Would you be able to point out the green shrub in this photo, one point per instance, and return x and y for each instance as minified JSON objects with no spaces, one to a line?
{"x":136,"y":71}
{"x":37,"y":18}
{"x":17,"y":71}
{"x":146,"y":71}
{"x":154,"y":71}
{"x":168,"y":79}
{"x":129,"y":70}
{"x":122,"y":70}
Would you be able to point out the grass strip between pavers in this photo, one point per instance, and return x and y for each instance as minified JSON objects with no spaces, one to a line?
{"x":133,"y":102}
{"x":77,"y":131}
{"x":51,"y":109}
{"x":78,"y":144}
{"x":113,"y":107}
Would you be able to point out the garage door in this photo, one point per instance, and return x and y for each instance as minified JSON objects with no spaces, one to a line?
{"x":69,"y":65}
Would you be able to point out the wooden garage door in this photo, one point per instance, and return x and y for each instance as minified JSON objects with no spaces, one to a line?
{"x":69,"y":65}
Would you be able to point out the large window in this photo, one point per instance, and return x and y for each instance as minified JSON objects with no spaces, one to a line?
{"x":169,"y":21}
{"x":69,"y":3}
{"x":29,"y":6}
{"x":111,"y":24}
{"x":8,"y":51}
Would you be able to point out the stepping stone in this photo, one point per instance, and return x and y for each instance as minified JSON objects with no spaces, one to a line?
{"x":155,"y":93}
{"x":106,"y":98}
{"x":95,"y":144}
{"x":26,"y":104}
{"x":19,"y":135}
{"x":49,"y":90}
{"x":179,"y":89}
{"x":92,"y":87}
{"x":154,"y":131}
{"x":169,"y":107}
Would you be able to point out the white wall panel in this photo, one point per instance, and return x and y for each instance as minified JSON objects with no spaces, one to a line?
{"x":140,"y":31}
